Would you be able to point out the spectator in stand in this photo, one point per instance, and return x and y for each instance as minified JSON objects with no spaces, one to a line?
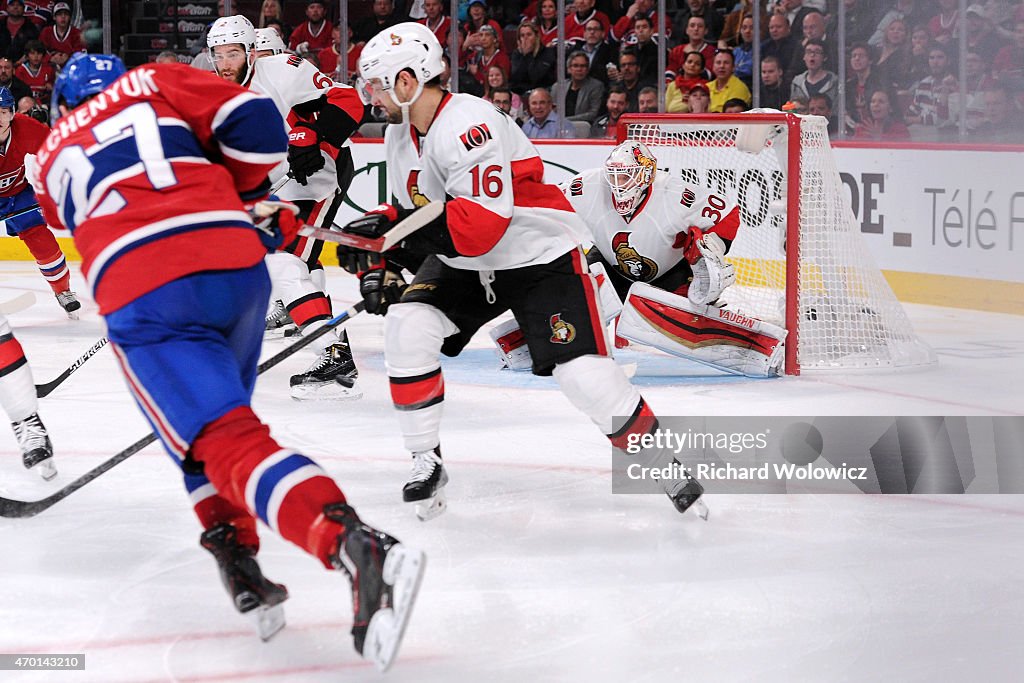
{"x":647,"y":101}
{"x":36,"y":74}
{"x":713,"y":21}
{"x":577,"y":21}
{"x":882,"y":121}
{"x":920,"y":45}
{"x":730,"y":36}
{"x":16,"y":31}
{"x":624,"y":28}
{"x":497,"y":80}
{"x":437,"y":21}
{"x":906,"y":12}
{"x":628,"y":76}
{"x":780,"y":44}
{"x":328,"y":57}
{"x":504,"y":99}
{"x":981,"y":36}
{"x":862,"y":79}
{"x":893,"y":61}
{"x":62,"y":36}
{"x":25,"y":105}
{"x":821,"y":105}
{"x":271,"y":12}
{"x":699,"y":99}
{"x":1003,"y":121}
{"x":544,"y":123}
{"x":383,"y":16}
{"x":314,"y":34}
{"x":816,"y":79}
{"x":930,"y":96}
{"x":647,"y":49}
{"x":166,"y":57}
{"x":597,"y":50}
{"x":533,"y":65}
{"x":470,"y":29}
{"x":489,"y":54}
{"x":696,"y":32}
{"x":547,"y":22}
{"x":815,"y":28}
{"x":735,"y":106}
{"x":678,"y":90}
{"x":774,"y":89}
{"x":583,"y":94}
{"x":725,"y":86}
{"x":615,"y":106}
{"x":743,"y":51}
{"x":1008,"y":66}
{"x":978,"y":80}
{"x":942,"y":26}
{"x":794,"y":12}
{"x":11,"y":82}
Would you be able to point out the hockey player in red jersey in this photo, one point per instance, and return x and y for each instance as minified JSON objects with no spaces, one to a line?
{"x":506,"y":241}
{"x":321,"y":115}
{"x":21,"y":135}
{"x":155,"y":175}
{"x":18,"y":397}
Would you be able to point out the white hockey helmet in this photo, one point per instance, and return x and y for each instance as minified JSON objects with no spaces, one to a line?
{"x":269,"y":39}
{"x":234,"y":30}
{"x":629,"y":170}
{"x":408,"y":45}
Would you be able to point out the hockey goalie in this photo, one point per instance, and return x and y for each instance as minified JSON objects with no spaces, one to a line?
{"x":659,"y":248}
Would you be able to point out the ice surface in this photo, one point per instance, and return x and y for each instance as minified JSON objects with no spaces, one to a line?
{"x":536,"y":573}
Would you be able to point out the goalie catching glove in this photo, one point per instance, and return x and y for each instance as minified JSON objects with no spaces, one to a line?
{"x":275,"y":221}
{"x":711,"y":273}
{"x":304,"y":157}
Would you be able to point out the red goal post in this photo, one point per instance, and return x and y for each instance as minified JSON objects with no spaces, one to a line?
{"x":800,"y":258}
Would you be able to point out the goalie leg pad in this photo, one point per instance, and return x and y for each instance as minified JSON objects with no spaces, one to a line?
{"x":511,"y":343}
{"x":721,"y":338}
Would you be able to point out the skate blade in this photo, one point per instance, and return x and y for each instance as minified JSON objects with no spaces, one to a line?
{"x":46,"y":469}
{"x":701,"y":509}
{"x":282,"y":333}
{"x":325,"y":391}
{"x":403,"y":569}
{"x":72,"y":315}
{"x":430,"y":508}
{"x":268,"y":620}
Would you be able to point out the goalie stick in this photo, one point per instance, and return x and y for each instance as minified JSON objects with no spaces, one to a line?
{"x":45,"y":389}
{"x":23,"y":508}
{"x":18,"y":304}
{"x":413,"y":222}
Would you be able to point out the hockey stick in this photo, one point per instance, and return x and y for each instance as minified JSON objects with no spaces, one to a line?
{"x":43,"y":390}
{"x":23,"y":508}
{"x":403,"y":229}
{"x":18,"y":304}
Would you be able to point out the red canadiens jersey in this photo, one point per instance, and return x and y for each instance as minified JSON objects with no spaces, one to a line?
{"x":70,"y":41}
{"x":27,"y":135}
{"x":317,"y":41}
{"x":150,"y":177}
{"x":39,"y":81}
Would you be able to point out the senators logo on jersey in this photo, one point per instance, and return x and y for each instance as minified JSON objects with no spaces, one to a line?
{"x":561,"y":331}
{"x":412,"y":186}
{"x":632,"y":264}
{"x":688,"y":198}
{"x":476,"y":136}
{"x":576,"y":187}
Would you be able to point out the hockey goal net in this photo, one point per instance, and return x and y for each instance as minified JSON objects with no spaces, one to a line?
{"x":800,"y":259}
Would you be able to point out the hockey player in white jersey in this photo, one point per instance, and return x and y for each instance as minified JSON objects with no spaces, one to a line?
{"x":659,"y":248}
{"x":506,"y":240}
{"x":18,"y":398}
{"x":322,"y":115}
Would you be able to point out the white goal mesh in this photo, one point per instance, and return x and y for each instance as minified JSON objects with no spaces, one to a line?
{"x":828,"y":292}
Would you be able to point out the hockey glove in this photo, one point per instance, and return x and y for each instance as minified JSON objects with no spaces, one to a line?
{"x":711,"y":273}
{"x":304,"y":157}
{"x":276,"y":222}
{"x":357,"y":261}
{"x":380,"y":288}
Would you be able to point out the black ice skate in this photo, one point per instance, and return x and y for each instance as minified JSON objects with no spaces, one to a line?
{"x":279,"y":324}
{"x":686,"y":493}
{"x":332,"y":377}
{"x":250,"y":591}
{"x":69,"y":302}
{"x":426,"y":484}
{"x":385,"y":576}
{"x":36,"y":449}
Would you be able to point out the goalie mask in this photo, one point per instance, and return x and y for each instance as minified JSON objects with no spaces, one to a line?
{"x":629,"y":171}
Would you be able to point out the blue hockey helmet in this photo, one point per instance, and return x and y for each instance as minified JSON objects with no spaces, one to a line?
{"x":84,"y":75}
{"x":6,"y":99}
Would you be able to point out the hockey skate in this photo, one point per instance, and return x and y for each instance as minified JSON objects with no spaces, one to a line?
{"x":36,"y":449}
{"x":426,"y":484}
{"x":332,"y":377}
{"x":385,"y":576}
{"x":279,"y":324}
{"x":69,"y":302}
{"x":686,"y":493}
{"x":241,"y":575}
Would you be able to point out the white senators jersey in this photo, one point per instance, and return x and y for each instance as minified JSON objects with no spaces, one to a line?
{"x":500,"y":212}
{"x":290,"y":81}
{"x":651,"y":241}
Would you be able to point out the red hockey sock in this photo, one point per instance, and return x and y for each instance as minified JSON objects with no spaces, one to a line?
{"x":216,"y":509}
{"x":642,"y":421}
{"x":49,"y":257}
{"x":287,"y":490}
{"x":309,"y":309}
